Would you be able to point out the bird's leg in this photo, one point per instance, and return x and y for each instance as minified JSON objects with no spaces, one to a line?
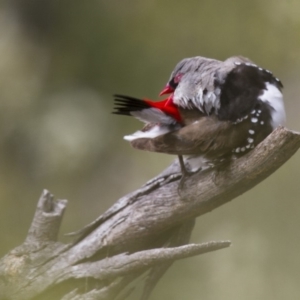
{"x":184,"y":171}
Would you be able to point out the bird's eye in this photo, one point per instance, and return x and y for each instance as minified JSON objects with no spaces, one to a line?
{"x":175,"y":80}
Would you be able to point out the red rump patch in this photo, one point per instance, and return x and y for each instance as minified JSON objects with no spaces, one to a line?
{"x":167,"y":106}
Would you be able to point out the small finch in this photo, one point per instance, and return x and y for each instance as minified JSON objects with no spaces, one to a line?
{"x":216,"y":110}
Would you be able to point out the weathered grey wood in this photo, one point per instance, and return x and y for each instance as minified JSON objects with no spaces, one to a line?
{"x":122,"y":264}
{"x":44,"y":267}
{"x":46,"y":222}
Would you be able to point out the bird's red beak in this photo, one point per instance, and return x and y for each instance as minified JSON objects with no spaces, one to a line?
{"x":167,"y":90}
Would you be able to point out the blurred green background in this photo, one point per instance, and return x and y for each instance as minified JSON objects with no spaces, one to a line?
{"x":60,"y":63}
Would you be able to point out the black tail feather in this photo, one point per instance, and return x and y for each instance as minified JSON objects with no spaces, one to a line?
{"x":125,"y":104}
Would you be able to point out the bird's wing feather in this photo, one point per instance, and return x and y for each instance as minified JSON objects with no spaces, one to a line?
{"x":201,"y":87}
{"x":203,"y":136}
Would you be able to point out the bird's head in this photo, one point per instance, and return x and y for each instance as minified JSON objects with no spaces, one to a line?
{"x":172,"y":84}
{"x":184,"y":68}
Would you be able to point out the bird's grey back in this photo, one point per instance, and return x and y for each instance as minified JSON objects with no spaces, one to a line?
{"x":197,"y":86}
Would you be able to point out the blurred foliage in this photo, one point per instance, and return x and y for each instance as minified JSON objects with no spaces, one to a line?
{"x":60,"y":62}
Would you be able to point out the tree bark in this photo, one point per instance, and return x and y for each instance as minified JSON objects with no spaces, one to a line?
{"x":145,"y":230}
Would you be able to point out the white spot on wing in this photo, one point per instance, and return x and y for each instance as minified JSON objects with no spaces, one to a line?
{"x":274,"y":98}
{"x":254,"y":120}
{"x":251,"y":131}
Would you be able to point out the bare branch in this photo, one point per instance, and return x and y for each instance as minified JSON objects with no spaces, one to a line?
{"x":47,"y":219}
{"x":162,"y":208}
{"x":123,"y":264}
{"x":140,"y":224}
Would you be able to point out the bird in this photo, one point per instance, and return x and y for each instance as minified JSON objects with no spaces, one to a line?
{"x":215,"y":110}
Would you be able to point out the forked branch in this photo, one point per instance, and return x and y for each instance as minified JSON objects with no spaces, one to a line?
{"x":147,"y":229}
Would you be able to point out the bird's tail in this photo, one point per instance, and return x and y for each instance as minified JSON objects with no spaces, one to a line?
{"x":124,"y":105}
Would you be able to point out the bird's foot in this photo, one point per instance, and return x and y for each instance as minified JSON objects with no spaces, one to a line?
{"x":185,"y":174}
{"x":184,"y":177}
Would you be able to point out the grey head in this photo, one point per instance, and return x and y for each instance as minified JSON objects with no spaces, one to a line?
{"x":195,"y":81}
{"x":188,"y":66}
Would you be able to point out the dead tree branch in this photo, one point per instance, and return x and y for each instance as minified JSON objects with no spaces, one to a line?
{"x":147,"y":229}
